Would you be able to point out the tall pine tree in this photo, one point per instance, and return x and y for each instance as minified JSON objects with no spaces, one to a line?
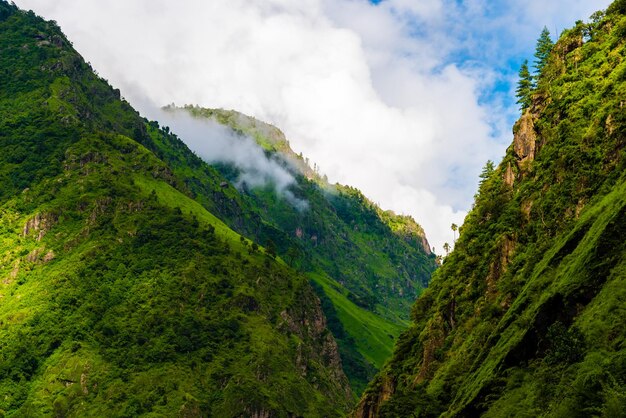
{"x":542,"y":52}
{"x":525,"y":87}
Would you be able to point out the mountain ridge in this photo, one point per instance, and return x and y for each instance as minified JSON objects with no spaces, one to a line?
{"x":367,"y":300}
{"x":121,"y":295}
{"x":118,"y":245}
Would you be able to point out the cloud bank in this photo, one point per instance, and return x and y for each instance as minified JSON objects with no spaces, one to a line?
{"x":404,"y":99}
{"x":216,"y":143}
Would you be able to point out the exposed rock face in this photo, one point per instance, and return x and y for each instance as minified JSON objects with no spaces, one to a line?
{"x":48,"y":257}
{"x":308,"y":322}
{"x":568,"y":44}
{"x":527,"y":206}
{"x":83,"y":383}
{"x":369,"y":406}
{"x":34,"y":255}
{"x":524,"y":140}
{"x":509,"y":176}
{"x":40,"y":223}
{"x":14,"y":272}
{"x":426,"y":245}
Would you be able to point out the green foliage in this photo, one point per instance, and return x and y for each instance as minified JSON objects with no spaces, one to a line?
{"x":543,"y":50}
{"x":377,"y":260}
{"x":565,"y":345}
{"x":485,"y":174}
{"x":525,"y":87}
{"x":618,"y":6}
{"x":525,"y":317}
{"x":122,"y":295}
{"x":270,"y":247}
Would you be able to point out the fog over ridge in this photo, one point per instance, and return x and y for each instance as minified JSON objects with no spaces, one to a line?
{"x":217,"y":143}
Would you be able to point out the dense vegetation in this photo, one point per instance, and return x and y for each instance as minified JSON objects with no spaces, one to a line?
{"x":526,"y":316}
{"x":121,"y":294}
{"x":367,"y":265}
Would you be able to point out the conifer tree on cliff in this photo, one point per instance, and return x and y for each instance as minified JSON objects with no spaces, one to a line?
{"x":542,"y":52}
{"x":525,"y":87}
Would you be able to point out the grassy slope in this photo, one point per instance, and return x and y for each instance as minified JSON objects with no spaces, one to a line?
{"x":119,"y":301}
{"x":372,"y":333}
{"x":172,"y":198}
{"x":525,"y":317}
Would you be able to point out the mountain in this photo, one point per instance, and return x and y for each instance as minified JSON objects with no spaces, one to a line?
{"x":121,"y":293}
{"x":367,"y":265}
{"x":526,"y":315}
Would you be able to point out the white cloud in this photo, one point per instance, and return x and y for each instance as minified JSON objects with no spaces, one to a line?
{"x":386,"y":98}
{"x":215,"y":143}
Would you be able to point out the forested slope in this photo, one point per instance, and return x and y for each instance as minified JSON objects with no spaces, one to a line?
{"x":120,"y":293}
{"x":367,"y":265}
{"x":526,"y":315}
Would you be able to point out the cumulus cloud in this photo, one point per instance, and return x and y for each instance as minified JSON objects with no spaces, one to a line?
{"x":395,"y":98}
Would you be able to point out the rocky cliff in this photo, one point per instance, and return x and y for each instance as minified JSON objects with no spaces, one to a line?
{"x":525,"y":316}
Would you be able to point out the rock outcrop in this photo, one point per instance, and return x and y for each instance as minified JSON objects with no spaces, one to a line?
{"x":370,"y":406}
{"x":524,"y":140}
{"x":40,"y":223}
{"x":307,"y":321}
{"x":509,"y":175}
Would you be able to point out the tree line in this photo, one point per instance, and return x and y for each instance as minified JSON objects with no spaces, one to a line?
{"x":528,"y":81}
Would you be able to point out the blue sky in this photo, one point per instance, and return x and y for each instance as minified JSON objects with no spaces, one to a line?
{"x":499,"y":35}
{"x":489,"y":40}
{"x":404,"y":99}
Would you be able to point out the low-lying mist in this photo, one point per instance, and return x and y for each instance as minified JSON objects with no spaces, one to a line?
{"x":217,"y":143}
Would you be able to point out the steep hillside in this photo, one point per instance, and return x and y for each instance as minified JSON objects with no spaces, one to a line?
{"x":120,"y":293}
{"x":526,"y":316}
{"x":367,"y":265}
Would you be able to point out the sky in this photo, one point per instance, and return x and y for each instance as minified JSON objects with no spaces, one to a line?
{"x":404,"y":99}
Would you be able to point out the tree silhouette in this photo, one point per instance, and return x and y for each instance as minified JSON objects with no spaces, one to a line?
{"x":446,"y":248}
{"x":454,"y":227}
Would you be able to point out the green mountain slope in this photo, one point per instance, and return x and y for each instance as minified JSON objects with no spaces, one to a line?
{"x":526,"y":317}
{"x":120,"y":293}
{"x":367,"y":265}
